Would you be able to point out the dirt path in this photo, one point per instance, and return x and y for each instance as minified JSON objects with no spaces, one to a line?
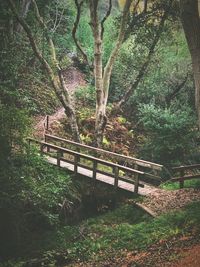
{"x":73,"y":79}
{"x":190,"y":258}
{"x":161,"y":201}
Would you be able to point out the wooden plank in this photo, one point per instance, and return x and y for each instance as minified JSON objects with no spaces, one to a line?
{"x":140,"y":162}
{"x":149,"y":211}
{"x":186,"y":177}
{"x":152,"y":176}
{"x":187,"y":167}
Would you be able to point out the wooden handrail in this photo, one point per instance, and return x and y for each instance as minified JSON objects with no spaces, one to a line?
{"x":186,"y":177}
{"x":139,"y":162}
{"x":101,"y":161}
{"x":187,"y":167}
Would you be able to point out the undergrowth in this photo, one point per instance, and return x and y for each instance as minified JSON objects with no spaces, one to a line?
{"x":125,"y":229}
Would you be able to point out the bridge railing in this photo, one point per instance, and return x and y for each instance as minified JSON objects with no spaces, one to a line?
{"x":75,"y":161}
{"x":185,"y":173}
{"x":152,"y":170}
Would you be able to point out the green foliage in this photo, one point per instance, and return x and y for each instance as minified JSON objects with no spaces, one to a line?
{"x":32,"y":194}
{"x":86,"y":96}
{"x":169,"y":134}
{"x":14,"y":128}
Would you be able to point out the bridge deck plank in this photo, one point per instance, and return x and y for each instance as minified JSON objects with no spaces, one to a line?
{"x":103,"y":178}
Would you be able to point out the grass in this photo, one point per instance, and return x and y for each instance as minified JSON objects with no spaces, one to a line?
{"x":125,"y":229}
{"x":195,"y":183}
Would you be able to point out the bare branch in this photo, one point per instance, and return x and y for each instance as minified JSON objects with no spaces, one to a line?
{"x":74,"y":30}
{"x":105,"y":18}
{"x":57,"y":22}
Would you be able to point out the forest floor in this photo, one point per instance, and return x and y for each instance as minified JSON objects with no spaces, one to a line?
{"x":174,"y":252}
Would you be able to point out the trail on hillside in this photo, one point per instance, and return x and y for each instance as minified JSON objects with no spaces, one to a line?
{"x":74,"y":78}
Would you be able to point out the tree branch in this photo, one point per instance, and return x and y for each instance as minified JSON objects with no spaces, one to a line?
{"x":49,"y":39}
{"x":105,"y":18}
{"x":74,"y":30}
{"x":115,"y":51}
{"x":145,"y":65}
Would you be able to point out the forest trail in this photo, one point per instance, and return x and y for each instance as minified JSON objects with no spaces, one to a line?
{"x":73,"y":79}
{"x":161,"y":201}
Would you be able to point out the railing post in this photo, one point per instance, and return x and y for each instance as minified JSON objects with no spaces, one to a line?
{"x":45,"y":139}
{"x":181,"y":183}
{"x":136,"y":176}
{"x":41,"y":149}
{"x":58,"y":157}
{"x":47,"y":123}
{"x":116,"y":173}
{"x":136,"y":184}
{"x":94,"y":175}
{"x":76,"y":160}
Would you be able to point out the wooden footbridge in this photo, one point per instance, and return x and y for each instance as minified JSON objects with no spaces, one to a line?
{"x":122,"y":172}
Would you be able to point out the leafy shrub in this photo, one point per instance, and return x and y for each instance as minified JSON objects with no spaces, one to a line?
{"x":86,"y":96}
{"x":169,"y":134}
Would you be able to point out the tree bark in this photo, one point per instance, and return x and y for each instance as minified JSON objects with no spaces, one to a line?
{"x":98,"y":73}
{"x":191,"y":25}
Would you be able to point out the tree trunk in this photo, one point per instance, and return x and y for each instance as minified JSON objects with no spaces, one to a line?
{"x":98,"y":73}
{"x":191,"y":25}
{"x":102,"y":79}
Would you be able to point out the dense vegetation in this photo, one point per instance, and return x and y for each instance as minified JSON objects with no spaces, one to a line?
{"x":139,"y":99}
